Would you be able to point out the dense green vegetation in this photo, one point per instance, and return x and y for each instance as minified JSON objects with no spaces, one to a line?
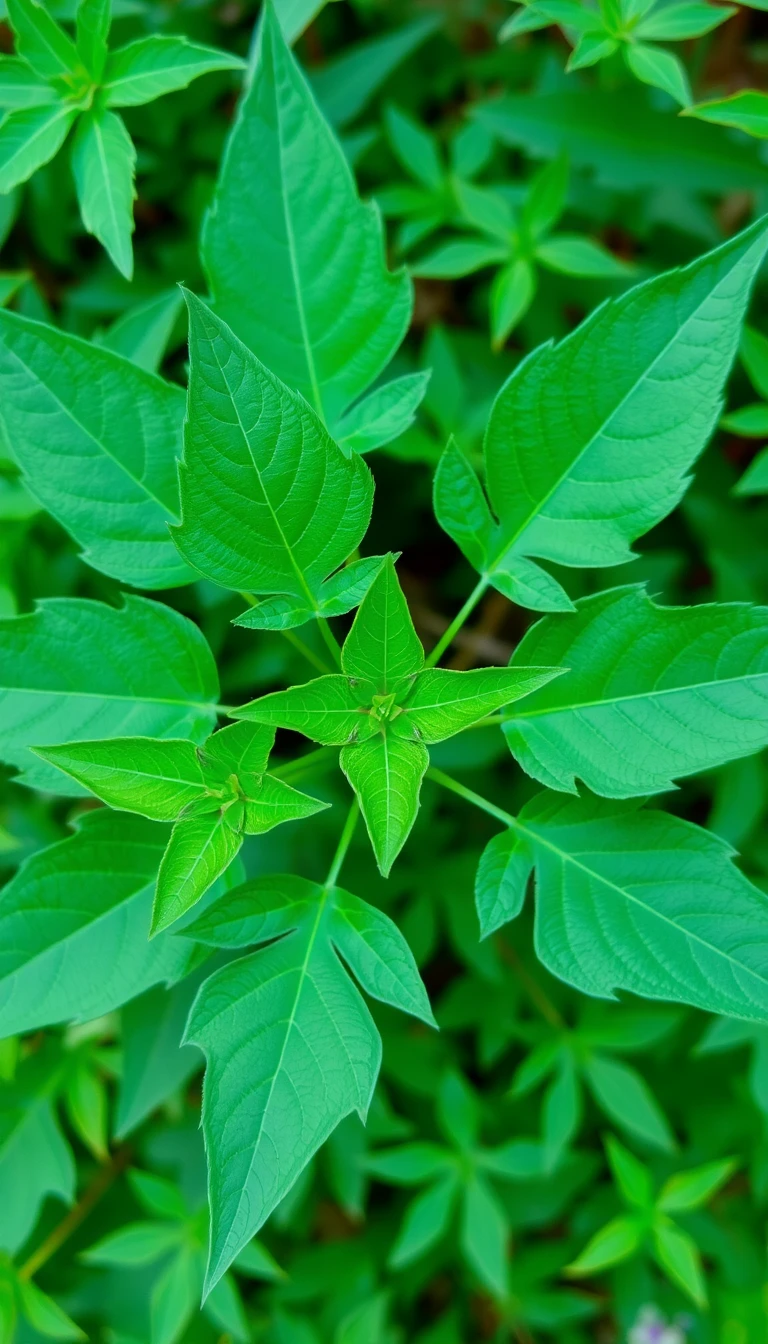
{"x":383,"y":672}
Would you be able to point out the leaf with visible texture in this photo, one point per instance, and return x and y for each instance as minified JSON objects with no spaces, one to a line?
{"x":382,"y":647}
{"x":625,"y":404}
{"x":155,"y":1063}
{"x":502,"y":877}
{"x":104,"y":163}
{"x":97,"y":440}
{"x":383,"y":415}
{"x":443,"y":702}
{"x":643,"y":901}
{"x":746,"y":110}
{"x":269,"y":501}
{"x":134,"y":774}
{"x":29,"y":138}
{"x":286,"y":229}
{"x":156,"y":65}
{"x":76,"y":670}
{"x":40,"y":40}
{"x":74,"y":941}
{"x":93,"y":22}
{"x":386,"y":773}
{"x":199,"y":851}
{"x":291,"y":1047}
{"x":339,"y":594}
{"x":325,"y":710}
{"x":652,"y":693}
{"x":20,"y":87}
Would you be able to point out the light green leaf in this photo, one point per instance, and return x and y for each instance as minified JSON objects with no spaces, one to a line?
{"x":142,"y":333}
{"x":412,"y":1164}
{"x":755,"y":478}
{"x":451,"y":261}
{"x":29,"y":138}
{"x":97,"y":439}
{"x":93,"y":21}
{"x":386,"y":773}
{"x":75,"y":669}
{"x":287,"y":228}
{"x":383,"y":415}
{"x":547,"y":195}
{"x":443,"y":702}
{"x":617,"y":1241}
{"x":104,"y":163}
{"x":677,"y":1254}
{"x":41,"y":42}
{"x":502,"y":878}
{"x":200,"y":850}
{"x":746,"y":111}
{"x":339,"y":594}
{"x":561,"y":1113}
{"x":484,"y":1236}
{"x":223,"y":1306}
{"x":46,"y":1316}
{"x":152,"y":66}
{"x":632,"y":1177}
{"x":382,"y":647}
{"x":512,"y":294}
{"x":35,"y":1159}
{"x":573,"y":255}
{"x":748,"y":421}
{"x":175,"y":1296}
{"x":134,"y":1244}
{"x":291,"y":1047}
{"x":676,"y":22}
{"x":269,"y":502}
{"x":135,"y":774}
{"x":660,"y":68}
{"x":86,"y":1105}
{"x":652,"y":693}
{"x":74,"y":942}
{"x":643,"y":901}
{"x":590,"y":49}
{"x":415,"y":148}
{"x":158,"y":1195}
{"x":426,"y":1222}
{"x":258,"y":1263}
{"x":272,"y":802}
{"x":621,"y":431}
{"x":325,"y":710}
{"x":689,"y":1189}
{"x":20,"y":87}
{"x":627,"y":1099}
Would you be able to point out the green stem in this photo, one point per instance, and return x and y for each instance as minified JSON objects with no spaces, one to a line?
{"x":450,"y":634}
{"x":471,"y":797}
{"x":305,"y":765}
{"x":298,"y":642}
{"x":72,"y":1220}
{"x":343,"y":846}
{"x":331,"y":641}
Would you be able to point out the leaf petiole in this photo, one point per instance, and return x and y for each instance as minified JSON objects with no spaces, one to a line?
{"x":449,"y":635}
{"x":343,"y":846}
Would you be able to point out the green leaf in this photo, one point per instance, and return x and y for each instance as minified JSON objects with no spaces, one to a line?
{"x":158,"y":1195}
{"x":451,"y":261}
{"x":75,"y":668}
{"x":617,"y":1241}
{"x":547,"y":196}
{"x":97,"y":439}
{"x":590,"y":49}
{"x":443,"y":702}
{"x":20,"y":87}
{"x":746,"y":111}
{"x":677,"y":1254}
{"x":457,"y":1111}
{"x":269,"y":502}
{"x":134,"y":1244}
{"x":291,"y":1047}
{"x":382,"y":647}
{"x":344,"y":84}
{"x":46,"y":1316}
{"x":652,"y":693}
{"x":135,"y":774}
{"x":415,"y":148}
{"x":35,"y":1159}
{"x":426,"y":1222}
{"x":573,"y":255}
{"x":484,"y":1236}
{"x":175,"y":1296}
{"x":660,"y":68}
{"x":339,"y":594}
{"x":199,"y":851}
{"x":94,"y":18}
{"x":676,"y":22}
{"x":155,"y":1064}
{"x":29,"y":138}
{"x":41,"y":42}
{"x":224,"y":1308}
{"x":632,"y":1177}
{"x":86,"y":1104}
{"x":502,"y":878}
{"x":104,"y":163}
{"x":152,"y":66}
{"x":325,"y":710}
{"x":621,"y":431}
{"x":749,"y":421}
{"x":386,"y":773}
{"x":639,"y":900}
{"x":412,"y":1164}
{"x":561,"y":1113}
{"x":142,"y":333}
{"x":755,"y":478}
{"x":689,"y":1189}
{"x":74,"y":944}
{"x":284,"y":168}
{"x":627,"y":1099}
{"x":383,"y":415}
{"x":512,"y":294}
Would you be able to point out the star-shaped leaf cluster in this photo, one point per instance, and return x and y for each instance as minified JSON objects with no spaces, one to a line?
{"x":385,"y":708}
{"x":215,"y":795}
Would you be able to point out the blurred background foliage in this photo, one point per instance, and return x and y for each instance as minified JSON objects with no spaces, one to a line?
{"x":520,"y":194}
